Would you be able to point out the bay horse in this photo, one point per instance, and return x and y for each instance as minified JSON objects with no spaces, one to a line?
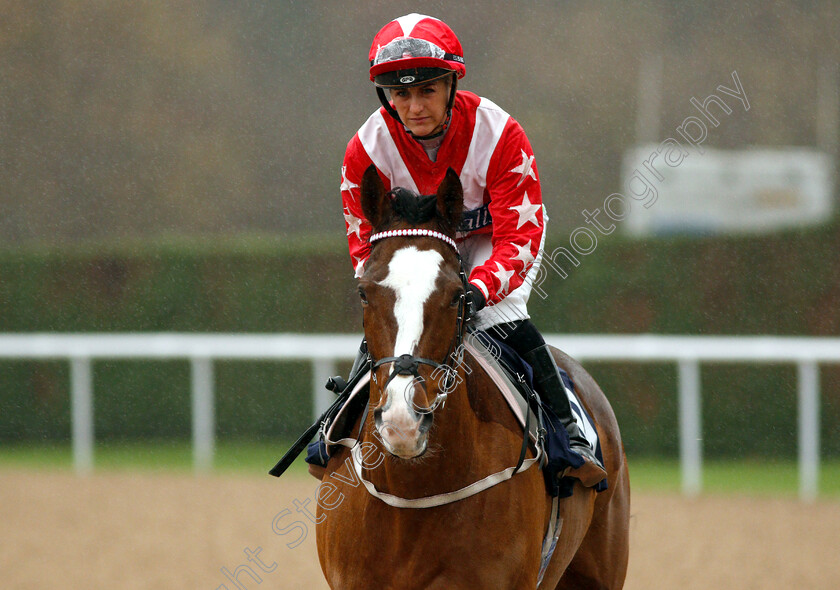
{"x":417,"y":449}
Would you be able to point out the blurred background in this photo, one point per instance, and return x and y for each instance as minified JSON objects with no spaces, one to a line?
{"x":174,"y":166}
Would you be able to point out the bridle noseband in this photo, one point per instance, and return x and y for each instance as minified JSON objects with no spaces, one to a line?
{"x":407,"y":364}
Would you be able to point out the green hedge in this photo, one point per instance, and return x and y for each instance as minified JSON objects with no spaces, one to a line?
{"x":785,"y":284}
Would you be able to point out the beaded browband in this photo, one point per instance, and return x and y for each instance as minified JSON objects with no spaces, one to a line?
{"x":407,"y":233}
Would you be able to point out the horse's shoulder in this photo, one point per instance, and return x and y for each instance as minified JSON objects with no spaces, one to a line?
{"x":484,"y":396}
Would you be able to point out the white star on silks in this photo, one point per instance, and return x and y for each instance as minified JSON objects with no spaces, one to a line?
{"x":527,"y":212}
{"x":504,"y":278}
{"x":346,"y":185}
{"x":359,"y":266}
{"x":354,"y":224}
{"x":525,"y":168}
{"x":523,"y":253}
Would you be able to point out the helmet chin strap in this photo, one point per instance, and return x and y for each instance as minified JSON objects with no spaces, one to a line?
{"x":393,"y":112}
{"x":387,"y":104}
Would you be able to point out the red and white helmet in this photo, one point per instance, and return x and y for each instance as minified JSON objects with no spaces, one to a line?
{"x":414,"y":49}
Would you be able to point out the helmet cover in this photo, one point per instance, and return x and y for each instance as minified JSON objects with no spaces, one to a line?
{"x":414,"y":49}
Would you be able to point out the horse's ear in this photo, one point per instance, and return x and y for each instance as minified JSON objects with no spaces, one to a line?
{"x":374,"y":200}
{"x":450,"y":199}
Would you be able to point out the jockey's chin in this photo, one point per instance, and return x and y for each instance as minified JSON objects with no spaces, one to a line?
{"x":423,"y":126}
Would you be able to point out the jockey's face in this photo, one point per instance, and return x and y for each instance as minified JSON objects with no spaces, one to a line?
{"x":422,"y":108}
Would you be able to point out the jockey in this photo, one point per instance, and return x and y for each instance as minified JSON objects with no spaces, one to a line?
{"x":428,"y":126}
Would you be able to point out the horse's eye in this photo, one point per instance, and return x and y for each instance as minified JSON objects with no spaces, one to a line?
{"x":456,"y":300}
{"x":362,"y":296}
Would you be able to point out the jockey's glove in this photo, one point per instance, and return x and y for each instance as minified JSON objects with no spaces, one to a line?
{"x":475,"y":301}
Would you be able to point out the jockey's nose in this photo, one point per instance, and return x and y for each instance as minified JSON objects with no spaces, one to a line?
{"x":416,"y":106}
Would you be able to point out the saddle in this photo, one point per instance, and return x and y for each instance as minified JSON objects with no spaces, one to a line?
{"x":542,"y":430}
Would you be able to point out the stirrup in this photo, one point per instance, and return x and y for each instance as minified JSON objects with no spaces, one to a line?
{"x":591,"y":472}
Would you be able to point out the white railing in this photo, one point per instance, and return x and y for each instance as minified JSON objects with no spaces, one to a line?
{"x":325,"y":350}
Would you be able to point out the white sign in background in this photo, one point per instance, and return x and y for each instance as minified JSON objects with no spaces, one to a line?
{"x":729,"y":191}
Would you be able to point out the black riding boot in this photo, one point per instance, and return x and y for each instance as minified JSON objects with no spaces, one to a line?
{"x":549,"y":385}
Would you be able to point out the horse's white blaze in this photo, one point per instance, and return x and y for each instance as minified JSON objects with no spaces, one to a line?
{"x":412,"y":274}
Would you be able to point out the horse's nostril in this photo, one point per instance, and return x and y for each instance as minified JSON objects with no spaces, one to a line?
{"x":425,"y":423}
{"x":377,"y":417}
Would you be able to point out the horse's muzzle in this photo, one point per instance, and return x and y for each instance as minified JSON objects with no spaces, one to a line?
{"x":404,"y":435}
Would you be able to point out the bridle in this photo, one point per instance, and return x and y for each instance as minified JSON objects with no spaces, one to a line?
{"x":408,"y":364}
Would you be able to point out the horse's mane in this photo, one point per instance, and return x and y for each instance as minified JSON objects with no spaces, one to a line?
{"x":413,"y":208}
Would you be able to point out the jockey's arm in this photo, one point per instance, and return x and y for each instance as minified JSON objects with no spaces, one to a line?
{"x":357,"y":227}
{"x":516,"y":208}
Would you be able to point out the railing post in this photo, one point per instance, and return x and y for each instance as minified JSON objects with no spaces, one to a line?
{"x":81,"y":392}
{"x":322,"y":369}
{"x":809,"y":429}
{"x":691,"y":449}
{"x":203,"y":413}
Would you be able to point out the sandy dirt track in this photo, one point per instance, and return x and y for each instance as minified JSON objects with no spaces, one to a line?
{"x":127,"y":531}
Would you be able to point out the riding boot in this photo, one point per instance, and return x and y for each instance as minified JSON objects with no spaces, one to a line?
{"x":549,"y":385}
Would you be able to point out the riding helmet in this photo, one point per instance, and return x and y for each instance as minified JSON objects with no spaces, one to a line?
{"x":414,"y":49}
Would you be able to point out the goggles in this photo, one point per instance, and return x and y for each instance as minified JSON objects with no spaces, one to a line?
{"x":408,"y":48}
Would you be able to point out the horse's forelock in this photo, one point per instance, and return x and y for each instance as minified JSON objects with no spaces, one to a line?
{"x":408,"y":206}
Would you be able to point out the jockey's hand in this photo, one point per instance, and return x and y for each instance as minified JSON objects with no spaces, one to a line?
{"x":475,"y":302}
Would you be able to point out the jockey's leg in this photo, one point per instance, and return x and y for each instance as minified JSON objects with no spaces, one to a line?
{"x":524,"y":337}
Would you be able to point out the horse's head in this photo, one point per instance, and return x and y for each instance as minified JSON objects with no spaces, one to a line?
{"x":412,"y":295}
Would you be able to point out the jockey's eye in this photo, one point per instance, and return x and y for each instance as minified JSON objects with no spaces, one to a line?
{"x":363,"y":296}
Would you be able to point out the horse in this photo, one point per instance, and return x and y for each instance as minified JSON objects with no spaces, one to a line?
{"x":434,"y":431}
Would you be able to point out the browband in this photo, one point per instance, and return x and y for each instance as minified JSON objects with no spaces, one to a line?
{"x":407,"y":233}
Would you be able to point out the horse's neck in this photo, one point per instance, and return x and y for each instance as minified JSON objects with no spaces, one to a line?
{"x":473,"y":435}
